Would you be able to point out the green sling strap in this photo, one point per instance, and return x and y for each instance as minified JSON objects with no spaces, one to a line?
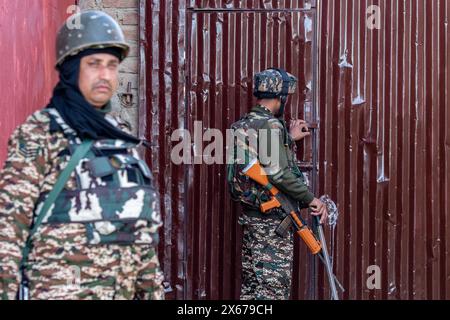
{"x":80,"y":152}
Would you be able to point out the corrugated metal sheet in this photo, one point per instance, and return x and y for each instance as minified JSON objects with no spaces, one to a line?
{"x":222,"y":60}
{"x":163,"y":110}
{"x":27,"y":76}
{"x":382,"y":149}
{"x":384,"y":152}
{"x":250,"y":5}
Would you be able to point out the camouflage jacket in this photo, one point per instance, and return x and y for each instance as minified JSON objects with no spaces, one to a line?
{"x":36,"y":156}
{"x":283,"y":172}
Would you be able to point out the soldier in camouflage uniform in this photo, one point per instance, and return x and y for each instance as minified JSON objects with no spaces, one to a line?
{"x":267,"y":258}
{"x":99,"y":238}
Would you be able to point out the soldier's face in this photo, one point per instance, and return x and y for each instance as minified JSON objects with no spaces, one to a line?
{"x":99,"y":78}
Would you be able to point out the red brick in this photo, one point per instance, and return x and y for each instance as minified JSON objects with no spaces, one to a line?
{"x":129,"y":17}
{"x":134,"y":49}
{"x":131,"y":33}
{"x":130,"y":65}
{"x":120,"y":3}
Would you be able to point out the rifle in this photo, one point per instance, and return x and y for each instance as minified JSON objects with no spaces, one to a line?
{"x":279,"y":200}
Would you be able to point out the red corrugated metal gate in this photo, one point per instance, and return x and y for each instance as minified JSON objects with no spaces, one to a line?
{"x":222,"y":57}
{"x":209,"y":56}
{"x":385,"y":144}
{"x":382,"y":151}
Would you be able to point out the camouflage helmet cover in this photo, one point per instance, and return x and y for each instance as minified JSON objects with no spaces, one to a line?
{"x":89,"y":29}
{"x":269,"y":83}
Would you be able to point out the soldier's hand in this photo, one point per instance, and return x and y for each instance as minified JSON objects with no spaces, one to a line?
{"x":299,"y":130}
{"x":319,"y":209}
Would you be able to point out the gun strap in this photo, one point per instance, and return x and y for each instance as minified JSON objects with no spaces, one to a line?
{"x":80,"y":152}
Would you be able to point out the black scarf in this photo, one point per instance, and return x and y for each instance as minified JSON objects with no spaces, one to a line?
{"x":85,"y":119}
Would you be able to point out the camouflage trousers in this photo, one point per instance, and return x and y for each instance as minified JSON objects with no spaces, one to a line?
{"x":266,"y":260}
{"x":96,"y":273}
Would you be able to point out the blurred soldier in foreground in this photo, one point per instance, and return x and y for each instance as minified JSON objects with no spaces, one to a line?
{"x":92,"y":234}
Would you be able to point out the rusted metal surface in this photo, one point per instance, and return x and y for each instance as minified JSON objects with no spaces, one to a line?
{"x":27,"y":36}
{"x":382,"y":147}
{"x":200,"y":247}
{"x":222,"y":60}
{"x":163,"y":110}
{"x":384,"y":153}
{"x":250,"y":5}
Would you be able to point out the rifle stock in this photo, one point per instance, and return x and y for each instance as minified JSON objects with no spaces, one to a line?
{"x":257,"y":173}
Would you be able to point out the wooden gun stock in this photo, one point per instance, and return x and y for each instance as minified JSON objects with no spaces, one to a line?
{"x":307,"y":235}
{"x":319,"y":248}
{"x":257,"y":174}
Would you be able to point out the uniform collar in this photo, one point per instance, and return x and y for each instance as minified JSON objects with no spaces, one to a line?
{"x":106,"y":109}
{"x":262,"y":109}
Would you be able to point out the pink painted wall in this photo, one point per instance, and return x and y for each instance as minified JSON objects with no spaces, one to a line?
{"x":27,"y":74}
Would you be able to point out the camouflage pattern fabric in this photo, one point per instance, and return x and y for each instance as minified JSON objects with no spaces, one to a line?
{"x":115,"y":193}
{"x":246,"y":132}
{"x":62,"y":264}
{"x":281,"y":165}
{"x":271,"y":81}
{"x":266,"y":260}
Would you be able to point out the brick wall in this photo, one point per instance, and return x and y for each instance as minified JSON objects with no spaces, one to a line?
{"x":126,"y":12}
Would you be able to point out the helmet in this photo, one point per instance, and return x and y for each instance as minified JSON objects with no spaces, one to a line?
{"x":96,"y":30}
{"x":274,"y":83}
